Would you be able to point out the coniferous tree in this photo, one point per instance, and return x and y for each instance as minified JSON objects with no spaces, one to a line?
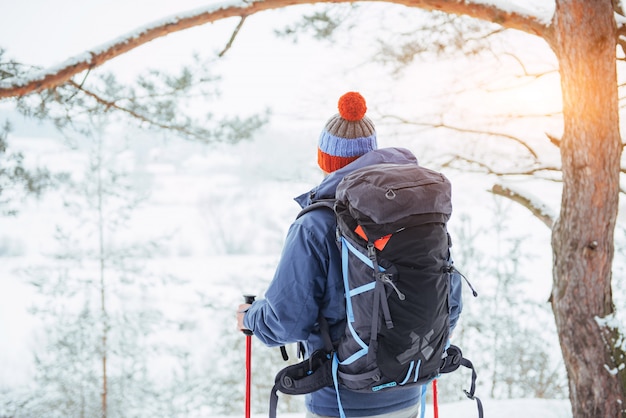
{"x":506,"y":332}
{"x":16,"y":180}
{"x":104,"y":348}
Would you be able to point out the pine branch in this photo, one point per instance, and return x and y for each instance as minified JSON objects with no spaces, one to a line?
{"x":142,"y":118}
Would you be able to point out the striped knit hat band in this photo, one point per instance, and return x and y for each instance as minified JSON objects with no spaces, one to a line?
{"x":347,"y":135}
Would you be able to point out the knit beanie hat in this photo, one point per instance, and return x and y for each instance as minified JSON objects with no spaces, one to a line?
{"x":347,"y":135}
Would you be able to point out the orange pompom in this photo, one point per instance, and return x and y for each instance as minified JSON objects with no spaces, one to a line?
{"x":352,"y":106}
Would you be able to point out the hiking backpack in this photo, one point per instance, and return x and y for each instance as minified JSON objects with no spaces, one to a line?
{"x":396,"y":267}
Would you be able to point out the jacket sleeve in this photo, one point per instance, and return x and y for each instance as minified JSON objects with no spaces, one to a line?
{"x":456,"y":299}
{"x":290,"y":309}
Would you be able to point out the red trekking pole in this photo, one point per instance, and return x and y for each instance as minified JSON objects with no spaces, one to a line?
{"x":248,"y":299}
{"x":435,"y":400}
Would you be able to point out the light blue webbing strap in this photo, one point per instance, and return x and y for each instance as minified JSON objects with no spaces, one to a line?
{"x":345,"y":247}
{"x":423,"y":401}
{"x":349,"y":311}
{"x":359,"y":254}
{"x":336,"y":382}
{"x":417,"y":370}
{"x":412,"y":366}
{"x":362,"y":289}
{"x":408,"y":374}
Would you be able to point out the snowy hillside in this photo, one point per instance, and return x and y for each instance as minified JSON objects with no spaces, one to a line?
{"x":217,"y":248}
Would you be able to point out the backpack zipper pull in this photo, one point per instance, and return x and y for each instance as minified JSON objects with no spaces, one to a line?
{"x":386,"y":278}
{"x":451,"y":270}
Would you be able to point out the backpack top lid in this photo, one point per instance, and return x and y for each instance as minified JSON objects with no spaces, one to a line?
{"x":382,"y":195}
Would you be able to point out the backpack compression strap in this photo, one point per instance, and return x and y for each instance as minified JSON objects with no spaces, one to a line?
{"x":453,"y":361}
{"x":465,"y":362}
{"x":305,"y":377}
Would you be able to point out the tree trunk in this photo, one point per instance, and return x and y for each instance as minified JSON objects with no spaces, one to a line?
{"x":582,"y":237}
{"x":101,"y":258}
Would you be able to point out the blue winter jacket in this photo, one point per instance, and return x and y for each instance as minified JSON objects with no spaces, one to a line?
{"x":308,"y":282}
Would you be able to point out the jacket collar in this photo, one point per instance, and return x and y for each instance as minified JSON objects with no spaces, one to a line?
{"x":326,"y":189}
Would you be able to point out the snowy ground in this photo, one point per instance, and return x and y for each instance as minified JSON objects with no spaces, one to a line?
{"x":517,"y":408}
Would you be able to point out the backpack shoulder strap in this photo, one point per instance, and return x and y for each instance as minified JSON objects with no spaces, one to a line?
{"x":322,"y":203}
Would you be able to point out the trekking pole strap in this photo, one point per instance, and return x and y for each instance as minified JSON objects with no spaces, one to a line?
{"x":273,"y":402}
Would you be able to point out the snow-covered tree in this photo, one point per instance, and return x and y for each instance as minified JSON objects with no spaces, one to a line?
{"x":17,"y":181}
{"x":104,"y":350}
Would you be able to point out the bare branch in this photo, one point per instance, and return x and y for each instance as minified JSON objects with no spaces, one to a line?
{"x":467,"y":130}
{"x":489,"y":170}
{"x":539,"y":211}
{"x":233,"y":36}
{"x":62,"y":73}
{"x":525,"y":70}
{"x":556,"y":141}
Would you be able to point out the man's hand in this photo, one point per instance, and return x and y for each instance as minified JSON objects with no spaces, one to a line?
{"x":241,"y":311}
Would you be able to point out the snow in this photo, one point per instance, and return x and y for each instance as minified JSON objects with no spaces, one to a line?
{"x":539,"y":9}
{"x":303,"y":90}
{"x":515,"y":408}
{"x":614,"y":321}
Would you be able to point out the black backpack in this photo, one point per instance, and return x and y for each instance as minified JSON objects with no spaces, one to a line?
{"x":391,"y":231}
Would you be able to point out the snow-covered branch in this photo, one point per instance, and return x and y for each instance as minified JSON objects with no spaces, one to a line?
{"x":536,"y":24}
{"x":539,"y":210}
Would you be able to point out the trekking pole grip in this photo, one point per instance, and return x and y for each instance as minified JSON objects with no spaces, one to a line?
{"x":249,"y":299}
